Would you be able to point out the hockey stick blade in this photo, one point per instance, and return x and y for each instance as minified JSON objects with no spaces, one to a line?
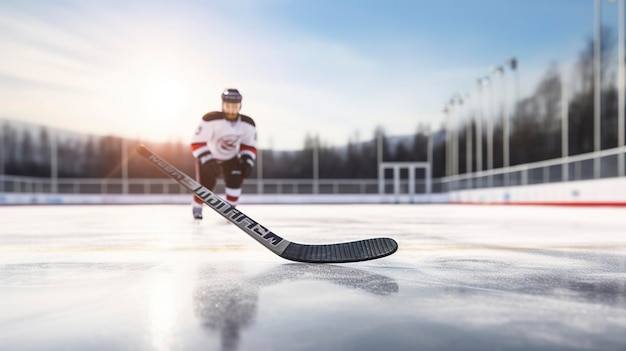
{"x":354,"y":251}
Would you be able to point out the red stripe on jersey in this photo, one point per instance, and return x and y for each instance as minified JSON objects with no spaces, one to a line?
{"x":196,"y":146}
{"x":243,"y":147}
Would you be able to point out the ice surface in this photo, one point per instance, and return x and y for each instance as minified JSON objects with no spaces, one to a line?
{"x":464,"y":277}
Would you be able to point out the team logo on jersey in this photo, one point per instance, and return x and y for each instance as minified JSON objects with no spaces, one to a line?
{"x":228,"y":143}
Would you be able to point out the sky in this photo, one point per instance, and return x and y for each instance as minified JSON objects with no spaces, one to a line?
{"x":336,"y":69}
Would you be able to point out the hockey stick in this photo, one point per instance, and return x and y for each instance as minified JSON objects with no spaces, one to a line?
{"x":354,"y":251}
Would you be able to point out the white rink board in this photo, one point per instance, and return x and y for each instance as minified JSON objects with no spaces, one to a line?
{"x":601,"y":191}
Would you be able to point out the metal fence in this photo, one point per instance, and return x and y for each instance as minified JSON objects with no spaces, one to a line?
{"x":603,"y":164}
{"x":594,"y":165}
{"x":19,"y":184}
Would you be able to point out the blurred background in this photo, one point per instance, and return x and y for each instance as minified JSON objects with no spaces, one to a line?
{"x":358,"y":98}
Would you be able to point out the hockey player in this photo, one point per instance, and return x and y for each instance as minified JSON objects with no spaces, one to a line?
{"x":224,"y":144}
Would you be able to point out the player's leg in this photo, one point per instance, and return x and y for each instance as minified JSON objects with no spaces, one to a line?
{"x":207,"y":180}
{"x":233,"y":179}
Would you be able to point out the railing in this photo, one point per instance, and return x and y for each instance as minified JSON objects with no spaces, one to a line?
{"x":20,"y":184}
{"x":579,"y":167}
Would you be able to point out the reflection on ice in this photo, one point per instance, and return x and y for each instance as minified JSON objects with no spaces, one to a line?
{"x":226,"y":298}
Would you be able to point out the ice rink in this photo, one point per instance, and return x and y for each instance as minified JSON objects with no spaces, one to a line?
{"x":464,"y":277}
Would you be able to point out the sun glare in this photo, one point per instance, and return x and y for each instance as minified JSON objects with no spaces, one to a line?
{"x":164,"y":98}
{"x":161,"y":103}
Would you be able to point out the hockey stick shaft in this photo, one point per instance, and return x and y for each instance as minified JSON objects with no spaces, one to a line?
{"x":354,"y":251}
{"x":251,"y":227}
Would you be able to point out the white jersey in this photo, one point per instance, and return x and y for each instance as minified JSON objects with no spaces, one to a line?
{"x":223,"y":139}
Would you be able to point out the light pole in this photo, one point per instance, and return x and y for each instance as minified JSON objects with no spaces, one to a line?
{"x":316,"y":164}
{"x":54,"y":162}
{"x":455,"y":134}
{"x":445,"y":110}
{"x":429,"y":159}
{"x":620,"y":86}
{"x":468,"y":137}
{"x":379,"y":160}
{"x":596,"y":90}
{"x":479,"y":126}
{"x":455,"y":106}
{"x":512,"y":63}
{"x":564,"y":130}
{"x":499,"y":72}
{"x":487,"y":83}
{"x":451,"y":133}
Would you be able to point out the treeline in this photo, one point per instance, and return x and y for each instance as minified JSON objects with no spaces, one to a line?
{"x":535,"y":136}
{"x":28,"y":151}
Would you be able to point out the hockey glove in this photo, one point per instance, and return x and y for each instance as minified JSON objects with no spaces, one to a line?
{"x":209,"y":165}
{"x":247,"y":163}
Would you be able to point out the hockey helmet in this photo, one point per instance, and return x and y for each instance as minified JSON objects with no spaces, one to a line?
{"x":231,"y":95}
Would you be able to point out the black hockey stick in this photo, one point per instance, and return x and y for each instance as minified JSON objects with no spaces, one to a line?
{"x":354,"y":251}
